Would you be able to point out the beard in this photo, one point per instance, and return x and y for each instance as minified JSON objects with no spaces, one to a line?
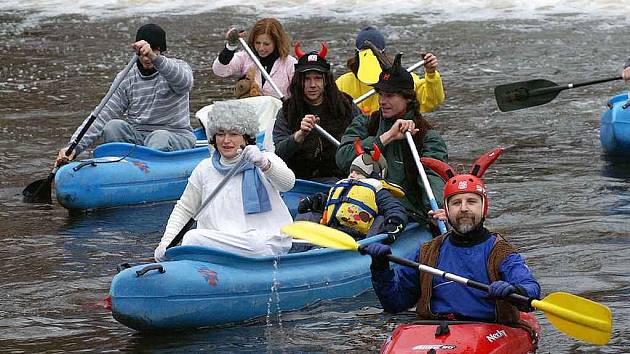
{"x":465,"y":224}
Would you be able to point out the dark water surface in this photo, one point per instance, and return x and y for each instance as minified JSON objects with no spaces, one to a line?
{"x":553,"y":193}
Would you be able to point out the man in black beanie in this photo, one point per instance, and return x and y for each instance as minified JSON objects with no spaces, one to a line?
{"x":387,"y":129}
{"x":154,"y":96}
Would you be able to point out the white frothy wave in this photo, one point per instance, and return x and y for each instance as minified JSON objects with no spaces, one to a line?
{"x":433,"y":11}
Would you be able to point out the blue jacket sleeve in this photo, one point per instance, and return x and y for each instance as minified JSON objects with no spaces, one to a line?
{"x":399,"y":288}
{"x":390,"y":207}
{"x":514,"y":270}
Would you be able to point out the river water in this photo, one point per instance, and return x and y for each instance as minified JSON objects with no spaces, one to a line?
{"x":554,"y":194}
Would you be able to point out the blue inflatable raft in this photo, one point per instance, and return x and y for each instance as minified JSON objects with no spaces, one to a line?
{"x":126,"y":174}
{"x":121,"y":174}
{"x":614,"y":130}
{"x":203,"y":287}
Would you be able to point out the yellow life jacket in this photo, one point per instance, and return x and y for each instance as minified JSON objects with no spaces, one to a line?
{"x":352,"y":203}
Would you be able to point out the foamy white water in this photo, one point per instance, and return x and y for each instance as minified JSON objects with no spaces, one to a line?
{"x":433,"y":11}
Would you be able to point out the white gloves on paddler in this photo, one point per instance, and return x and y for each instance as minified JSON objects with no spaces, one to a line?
{"x":252,"y":154}
{"x":160,"y":253}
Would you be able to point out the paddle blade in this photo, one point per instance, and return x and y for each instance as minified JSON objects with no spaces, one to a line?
{"x":577,"y":317}
{"x":369,"y":67}
{"x":519,"y":95}
{"x":320,"y":235}
{"x":39,"y":191}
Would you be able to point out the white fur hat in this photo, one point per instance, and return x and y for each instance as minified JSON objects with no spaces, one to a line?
{"x":232,"y":115}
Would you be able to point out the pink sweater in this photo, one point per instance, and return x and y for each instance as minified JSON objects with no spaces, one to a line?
{"x":281,"y":73}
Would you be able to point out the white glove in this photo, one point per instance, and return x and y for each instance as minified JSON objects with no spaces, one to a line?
{"x":253,"y":154}
{"x":160,"y":253}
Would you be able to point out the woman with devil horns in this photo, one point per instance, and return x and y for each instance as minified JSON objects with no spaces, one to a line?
{"x":313,"y":99}
{"x":468,"y":249}
{"x":386,"y":128}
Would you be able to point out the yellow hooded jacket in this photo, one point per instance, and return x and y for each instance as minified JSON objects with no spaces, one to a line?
{"x":429,"y":91}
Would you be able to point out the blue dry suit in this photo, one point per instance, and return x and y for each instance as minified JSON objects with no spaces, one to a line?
{"x":398,"y":289}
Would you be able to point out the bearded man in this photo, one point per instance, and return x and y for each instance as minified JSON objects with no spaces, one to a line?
{"x":468,"y":249}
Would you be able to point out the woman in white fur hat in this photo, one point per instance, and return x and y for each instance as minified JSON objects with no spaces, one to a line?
{"x":245,"y":217}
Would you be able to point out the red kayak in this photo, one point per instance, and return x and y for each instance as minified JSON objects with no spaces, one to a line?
{"x":462,"y":337}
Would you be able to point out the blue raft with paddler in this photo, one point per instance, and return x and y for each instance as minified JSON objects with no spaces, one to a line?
{"x":123,"y":174}
{"x":201,"y":286}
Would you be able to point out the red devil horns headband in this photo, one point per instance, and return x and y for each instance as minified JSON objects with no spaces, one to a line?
{"x":376,"y":154}
{"x":478,"y":168}
{"x":323,"y":51}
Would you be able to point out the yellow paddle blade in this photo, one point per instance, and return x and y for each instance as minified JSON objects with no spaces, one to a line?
{"x":577,"y":317}
{"x":369,"y":67}
{"x":320,"y":235}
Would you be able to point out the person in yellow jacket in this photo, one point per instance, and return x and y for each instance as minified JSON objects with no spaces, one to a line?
{"x":429,"y":90}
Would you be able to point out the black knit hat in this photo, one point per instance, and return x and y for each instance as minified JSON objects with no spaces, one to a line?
{"x":313,"y":61}
{"x":395,"y":79}
{"x":154,"y":35}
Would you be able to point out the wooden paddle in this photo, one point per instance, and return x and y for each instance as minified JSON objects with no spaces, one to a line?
{"x":570,"y":314}
{"x":180,"y":235}
{"x":524,"y":94}
{"x":40,"y":190}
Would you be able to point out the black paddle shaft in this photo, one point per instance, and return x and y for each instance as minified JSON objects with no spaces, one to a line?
{"x":558,"y":88}
{"x":516,"y":298}
{"x":180,"y":235}
{"x":40,"y":191}
{"x":532,"y":93}
{"x":98,"y":109}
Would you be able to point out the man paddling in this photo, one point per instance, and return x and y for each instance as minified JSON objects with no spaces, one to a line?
{"x":468,"y":249}
{"x":314,"y":99}
{"x":154,"y":96}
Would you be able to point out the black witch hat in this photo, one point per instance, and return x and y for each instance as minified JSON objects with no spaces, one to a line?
{"x":395,"y":78}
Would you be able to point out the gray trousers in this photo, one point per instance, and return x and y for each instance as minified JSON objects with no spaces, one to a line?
{"x":118,"y":130}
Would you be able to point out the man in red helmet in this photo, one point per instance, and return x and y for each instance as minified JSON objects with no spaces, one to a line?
{"x":468,"y":249}
{"x":314,"y":99}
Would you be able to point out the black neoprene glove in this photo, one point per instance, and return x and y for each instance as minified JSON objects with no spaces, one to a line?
{"x":394,"y":227}
{"x":315,"y":202}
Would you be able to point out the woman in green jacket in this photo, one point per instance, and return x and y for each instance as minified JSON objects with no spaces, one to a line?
{"x":386,"y":128}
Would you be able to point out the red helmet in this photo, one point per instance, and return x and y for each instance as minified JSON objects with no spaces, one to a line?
{"x":464,"y":183}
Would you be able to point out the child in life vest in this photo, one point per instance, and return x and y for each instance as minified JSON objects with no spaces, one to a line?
{"x":363,"y":204}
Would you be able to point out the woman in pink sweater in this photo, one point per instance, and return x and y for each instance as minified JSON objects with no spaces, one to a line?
{"x":271,"y":46}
